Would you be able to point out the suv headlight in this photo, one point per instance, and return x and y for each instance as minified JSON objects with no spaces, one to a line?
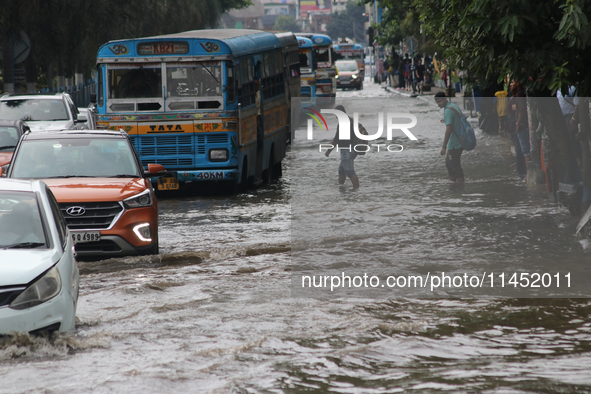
{"x":144,"y":199}
{"x":44,"y":289}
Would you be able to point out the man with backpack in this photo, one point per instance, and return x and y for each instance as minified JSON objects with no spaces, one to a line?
{"x":452,"y":147}
{"x":348,"y":153}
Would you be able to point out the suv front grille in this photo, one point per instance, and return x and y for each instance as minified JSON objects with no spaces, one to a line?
{"x":96,"y":215}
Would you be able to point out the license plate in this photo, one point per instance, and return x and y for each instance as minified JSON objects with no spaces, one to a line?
{"x":168,"y":184}
{"x":345,"y":82}
{"x":86,"y":236}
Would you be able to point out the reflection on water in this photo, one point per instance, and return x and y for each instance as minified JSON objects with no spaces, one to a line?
{"x":214,"y":312}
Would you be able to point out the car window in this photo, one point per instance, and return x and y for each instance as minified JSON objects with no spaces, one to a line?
{"x":8,"y":138}
{"x":58,"y":217}
{"x":49,"y":109}
{"x":20,"y":221}
{"x":75,"y":157}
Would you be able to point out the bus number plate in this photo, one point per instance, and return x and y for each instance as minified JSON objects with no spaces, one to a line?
{"x":168,"y":184}
{"x":86,"y":236}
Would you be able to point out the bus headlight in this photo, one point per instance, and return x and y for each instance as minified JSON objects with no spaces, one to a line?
{"x":44,"y":289}
{"x":218,"y":155}
{"x":144,"y":199}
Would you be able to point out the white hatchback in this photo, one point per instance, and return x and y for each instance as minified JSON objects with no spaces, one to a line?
{"x":39,"y":277}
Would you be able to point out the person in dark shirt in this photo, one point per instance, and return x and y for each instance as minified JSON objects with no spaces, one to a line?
{"x":348,"y":155}
{"x":420,"y":75}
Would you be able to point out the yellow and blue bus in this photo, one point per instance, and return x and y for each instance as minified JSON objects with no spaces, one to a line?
{"x":308,"y":72}
{"x":209,"y":105}
{"x":323,"y":67}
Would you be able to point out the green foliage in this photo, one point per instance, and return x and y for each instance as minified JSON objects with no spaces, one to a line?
{"x":69,"y":32}
{"x":286,"y":23}
{"x":544,"y":43}
{"x":349,"y":23}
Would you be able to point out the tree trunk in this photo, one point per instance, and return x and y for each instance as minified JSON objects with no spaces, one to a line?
{"x":61,"y":80}
{"x":566,"y":164}
{"x":30,"y":73}
{"x":583,"y":137}
{"x":50,"y":83}
{"x":8,"y":69}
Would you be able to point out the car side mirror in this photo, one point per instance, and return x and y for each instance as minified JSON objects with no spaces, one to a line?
{"x":154,"y":169}
{"x":81,"y":120}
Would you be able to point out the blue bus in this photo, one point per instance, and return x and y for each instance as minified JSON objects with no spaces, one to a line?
{"x":323,"y":66}
{"x":308,"y":76}
{"x":209,"y":105}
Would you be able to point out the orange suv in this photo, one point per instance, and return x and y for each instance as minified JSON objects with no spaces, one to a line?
{"x":101,"y":187}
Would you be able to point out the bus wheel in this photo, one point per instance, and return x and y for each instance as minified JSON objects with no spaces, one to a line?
{"x":267,"y":175}
{"x":277,"y":170}
{"x":244,"y":181}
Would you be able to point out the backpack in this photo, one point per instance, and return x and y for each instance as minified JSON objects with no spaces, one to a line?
{"x":467,"y":137}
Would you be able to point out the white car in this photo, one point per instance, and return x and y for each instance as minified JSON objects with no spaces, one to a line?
{"x":42,"y":111}
{"x":39,"y":278}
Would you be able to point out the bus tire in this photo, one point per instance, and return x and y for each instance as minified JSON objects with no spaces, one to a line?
{"x":277,"y":171}
{"x":267,"y":176}
{"x":244,"y":180}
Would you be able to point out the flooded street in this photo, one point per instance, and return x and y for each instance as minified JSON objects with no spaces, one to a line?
{"x":214,"y":313}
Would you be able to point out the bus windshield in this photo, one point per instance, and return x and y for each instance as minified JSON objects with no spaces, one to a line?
{"x":202,"y":79}
{"x":322,"y":57}
{"x":187,"y":79}
{"x":134,"y":81}
{"x":304,"y":58}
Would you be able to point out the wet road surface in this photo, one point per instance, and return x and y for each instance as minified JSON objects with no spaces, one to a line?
{"x":214,"y":313}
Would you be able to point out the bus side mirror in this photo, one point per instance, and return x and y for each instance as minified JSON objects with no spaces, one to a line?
{"x":93,"y":98}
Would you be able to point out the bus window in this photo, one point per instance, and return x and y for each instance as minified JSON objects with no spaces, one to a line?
{"x":132,"y":81}
{"x":194,"y":79}
{"x":231,"y":82}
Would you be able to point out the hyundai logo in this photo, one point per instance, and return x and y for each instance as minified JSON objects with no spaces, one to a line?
{"x":75,"y":211}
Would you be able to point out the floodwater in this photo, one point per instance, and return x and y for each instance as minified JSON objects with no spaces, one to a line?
{"x":214,"y":313}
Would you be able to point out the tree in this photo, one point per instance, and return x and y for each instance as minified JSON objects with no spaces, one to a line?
{"x":349,"y":23}
{"x":66,"y":34}
{"x":286,"y":23}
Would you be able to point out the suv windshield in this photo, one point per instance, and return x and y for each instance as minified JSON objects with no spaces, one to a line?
{"x":20,"y":221}
{"x":75,"y":157}
{"x":31,"y":109}
{"x":346,"y":66}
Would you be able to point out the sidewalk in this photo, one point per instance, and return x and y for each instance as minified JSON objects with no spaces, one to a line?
{"x":427,"y":97}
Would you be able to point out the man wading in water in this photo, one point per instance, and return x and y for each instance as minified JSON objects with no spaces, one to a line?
{"x":348,"y":154}
{"x":451,"y":143}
